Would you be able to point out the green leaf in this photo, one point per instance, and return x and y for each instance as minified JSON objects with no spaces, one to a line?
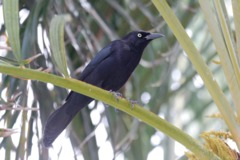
{"x":11,"y":19}
{"x":200,"y":66}
{"x":236,"y":18}
{"x":227,"y":66}
{"x":57,"y":42}
{"x":228,"y":57}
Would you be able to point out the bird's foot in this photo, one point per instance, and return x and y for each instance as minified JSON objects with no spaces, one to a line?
{"x":116,"y":95}
{"x":133,"y":102}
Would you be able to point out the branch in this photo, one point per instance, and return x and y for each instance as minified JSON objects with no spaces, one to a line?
{"x":121,"y":104}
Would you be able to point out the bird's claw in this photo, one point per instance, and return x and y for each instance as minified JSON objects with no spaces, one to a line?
{"x":132,"y":102}
{"x":116,"y":95}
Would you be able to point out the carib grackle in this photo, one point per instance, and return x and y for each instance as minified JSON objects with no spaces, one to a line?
{"x":109,"y":70}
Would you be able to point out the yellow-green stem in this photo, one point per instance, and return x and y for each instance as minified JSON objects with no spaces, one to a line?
{"x":121,"y":104}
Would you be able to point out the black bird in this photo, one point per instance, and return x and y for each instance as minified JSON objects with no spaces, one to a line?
{"x":109,"y":70}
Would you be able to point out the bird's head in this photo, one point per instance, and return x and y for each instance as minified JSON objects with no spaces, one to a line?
{"x":140,"y":39}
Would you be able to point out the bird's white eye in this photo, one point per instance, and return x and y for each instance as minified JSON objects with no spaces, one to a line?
{"x":139,"y":35}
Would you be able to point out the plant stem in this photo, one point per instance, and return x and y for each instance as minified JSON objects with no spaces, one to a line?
{"x":120,"y":103}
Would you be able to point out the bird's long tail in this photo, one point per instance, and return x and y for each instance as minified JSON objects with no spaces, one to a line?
{"x":60,"y":118}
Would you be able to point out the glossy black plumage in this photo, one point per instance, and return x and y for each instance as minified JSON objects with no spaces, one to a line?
{"x":109,"y":69}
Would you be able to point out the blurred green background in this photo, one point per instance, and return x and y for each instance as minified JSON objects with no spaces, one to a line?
{"x":164,"y":82}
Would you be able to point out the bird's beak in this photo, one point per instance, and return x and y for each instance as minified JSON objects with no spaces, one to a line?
{"x":152,"y":36}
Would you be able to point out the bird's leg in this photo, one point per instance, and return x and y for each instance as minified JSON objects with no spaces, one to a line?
{"x":116,"y":94}
{"x":132,"y":102}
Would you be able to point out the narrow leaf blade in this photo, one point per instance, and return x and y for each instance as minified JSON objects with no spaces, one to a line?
{"x":11,"y":20}
{"x":57,"y":42}
{"x":200,"y":66}
{"x":236,"y":18}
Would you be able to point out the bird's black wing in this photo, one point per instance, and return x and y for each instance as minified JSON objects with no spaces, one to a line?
{"x":101,"y":55}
